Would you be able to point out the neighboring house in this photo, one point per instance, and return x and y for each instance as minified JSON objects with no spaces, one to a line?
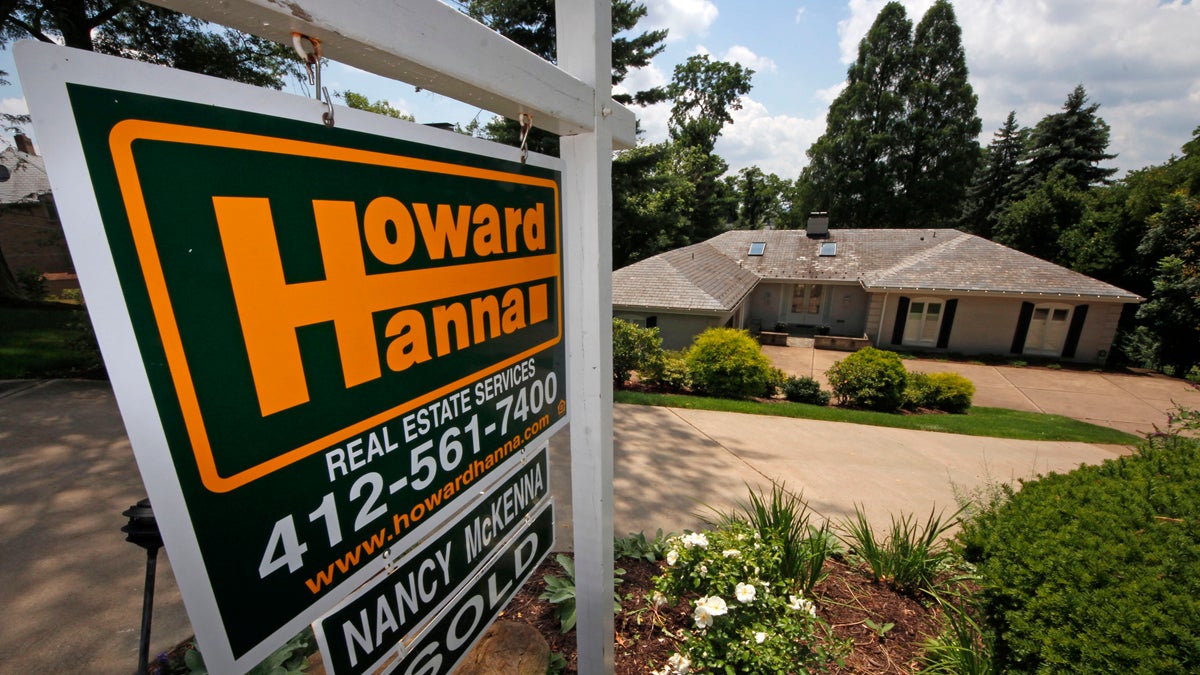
{"x":935,"y":289}
{"x":31,"y":236}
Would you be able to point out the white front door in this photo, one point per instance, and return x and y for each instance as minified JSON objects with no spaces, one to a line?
{"x":1047,"y":330}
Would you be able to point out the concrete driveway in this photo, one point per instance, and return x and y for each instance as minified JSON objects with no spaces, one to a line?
{"x":1131,"y":402}
{"x":73,"y":587}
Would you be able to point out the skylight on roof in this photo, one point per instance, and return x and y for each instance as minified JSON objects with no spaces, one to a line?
{"x":829,"y":248}
{"x":758,"y":247}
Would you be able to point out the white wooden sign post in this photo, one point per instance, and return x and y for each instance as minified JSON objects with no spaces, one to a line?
{"x":429,"y":44}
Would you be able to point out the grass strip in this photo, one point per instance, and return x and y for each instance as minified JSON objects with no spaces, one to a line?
{"x":37,"y":343}
{"x":981,"y":421}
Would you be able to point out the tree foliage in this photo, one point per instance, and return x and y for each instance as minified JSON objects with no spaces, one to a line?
{"x":531,"y":24}
{"x":899,"y":148}
{"x":1072,"y":142}
{"x":939,"y":135}
{"x":359,"y":101}
{"x":993,"y":181}
{"x":148,"y":33}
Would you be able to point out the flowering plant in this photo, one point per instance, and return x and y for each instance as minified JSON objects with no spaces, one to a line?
{"x":747,"y":617}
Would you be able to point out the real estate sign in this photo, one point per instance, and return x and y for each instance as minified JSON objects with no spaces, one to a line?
{"x":320,"y":338}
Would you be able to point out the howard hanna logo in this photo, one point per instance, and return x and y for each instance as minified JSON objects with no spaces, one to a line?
{"x":418,"y":266}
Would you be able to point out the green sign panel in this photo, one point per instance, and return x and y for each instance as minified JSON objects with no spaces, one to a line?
{"x":343,"y":333}
{"x":369,"y":625}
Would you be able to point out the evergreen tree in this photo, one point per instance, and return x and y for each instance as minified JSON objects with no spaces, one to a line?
{"x":1073,"y":141}
{"x":705,"y":94}
{"x":531,"y":24}
{"x":853,"y":173}
{"x":992,"y":184}
{"x":940,"y":150}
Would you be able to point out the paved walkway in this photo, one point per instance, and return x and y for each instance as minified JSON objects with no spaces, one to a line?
{"x":72,"y":586}
{"x":1130,"y":402}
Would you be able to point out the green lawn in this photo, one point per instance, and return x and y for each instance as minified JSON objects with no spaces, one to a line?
{"x":39,"y":342}
{"x":994,"y":422}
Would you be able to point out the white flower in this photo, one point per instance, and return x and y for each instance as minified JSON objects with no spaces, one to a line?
{"x":706,"y":608}
{"x":695,"y":539}
{"x":760,"y":637}
{"x":704,"y":570}
{"x":801,"y":605}
{"x":659,"y":599}
{"x":679,"y":664}
{"x":672,"y":557}
{"x":731,"y":553}
{"x":745,"y":593}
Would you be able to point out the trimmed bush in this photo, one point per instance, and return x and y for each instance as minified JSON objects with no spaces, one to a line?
{"x":634,"y":348}
{"x":774,"y":383}
{"x":869,"y":378}
{"x":671,"y":372}
{"x":728,"y":363}
{"x":950,"y":392}
{"x":805,"y":390}
{"x":1097,"y":570}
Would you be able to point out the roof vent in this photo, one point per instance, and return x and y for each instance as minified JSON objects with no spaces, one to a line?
{"x":757,"y":248}
{"x":818,"y":224}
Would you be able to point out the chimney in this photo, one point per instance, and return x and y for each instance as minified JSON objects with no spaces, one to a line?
{"x":24,"y":143}
{"x":818,"y":224}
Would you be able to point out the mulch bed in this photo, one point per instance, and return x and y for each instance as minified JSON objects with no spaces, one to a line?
{"x":845,"y":599}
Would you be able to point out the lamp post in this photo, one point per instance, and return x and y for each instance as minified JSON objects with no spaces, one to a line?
{"x":142,"y":530}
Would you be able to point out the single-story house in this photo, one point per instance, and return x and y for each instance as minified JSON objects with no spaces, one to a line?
{"x":915,"y":289}
{"x":31,"y":236}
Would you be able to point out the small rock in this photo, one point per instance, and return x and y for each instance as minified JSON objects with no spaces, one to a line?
{"x":508,"y":648}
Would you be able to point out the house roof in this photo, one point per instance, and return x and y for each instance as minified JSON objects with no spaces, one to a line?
{"x":26,"y":177}
{"x":934,"y":260}
{"x":696,"y":278}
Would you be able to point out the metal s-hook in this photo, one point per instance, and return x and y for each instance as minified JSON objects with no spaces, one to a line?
{"x":312,"y":63}
{"x":526,"y":121}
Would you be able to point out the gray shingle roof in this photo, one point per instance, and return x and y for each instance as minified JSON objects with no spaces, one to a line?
{"x":936,"y":260}
{"x":26,"y":177}
{"x":697,"y":278}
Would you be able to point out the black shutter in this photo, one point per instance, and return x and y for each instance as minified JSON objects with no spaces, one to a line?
{"x":1075,"y":331}
{"x":901,"y":317}
{"x":1018,"y":343}
{"x":947,"y":324}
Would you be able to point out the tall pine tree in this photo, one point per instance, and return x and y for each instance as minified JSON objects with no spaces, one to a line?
{"x":1073,"y":141}
{"x":993,"y":183}
{"x":940,"y":150}
{"x":853,"y":173}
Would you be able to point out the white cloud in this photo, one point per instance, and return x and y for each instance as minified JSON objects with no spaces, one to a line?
{"x":653,"y":121}
{"x":1139,"y":59}
{"x":828,"y":94}
{"x":774,"y":143}
{"x":800,"y":14}
{"x":682,"y":18}
{"x":641,"y":79}
{"x":14,"y":106}
{"x":743,"y":56}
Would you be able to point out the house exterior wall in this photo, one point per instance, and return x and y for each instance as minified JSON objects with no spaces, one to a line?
{"x":764,"y":303}
{"x":848,"y":310}
{"x":677,"y":330}
{"x":985,"y":325}
{"x":32,"y":239}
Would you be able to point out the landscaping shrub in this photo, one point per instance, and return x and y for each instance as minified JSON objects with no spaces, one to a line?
{"x":1097,"y":570}
{"x":805,"y":390}
{"x":911,"y":555}
{"x":671,"y":372}
{"x":775,"y":380}
{"x":634,"y":348}
{"x":869,"y":378}
{"x":950,"y":392}
{"x":728,"y":363}
{"x":749,"y":616}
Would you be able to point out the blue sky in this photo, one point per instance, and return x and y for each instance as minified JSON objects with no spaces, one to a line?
{"x":1140,"y":59}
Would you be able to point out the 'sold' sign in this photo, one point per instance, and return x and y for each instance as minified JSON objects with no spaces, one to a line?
{"x":336,"y":333}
